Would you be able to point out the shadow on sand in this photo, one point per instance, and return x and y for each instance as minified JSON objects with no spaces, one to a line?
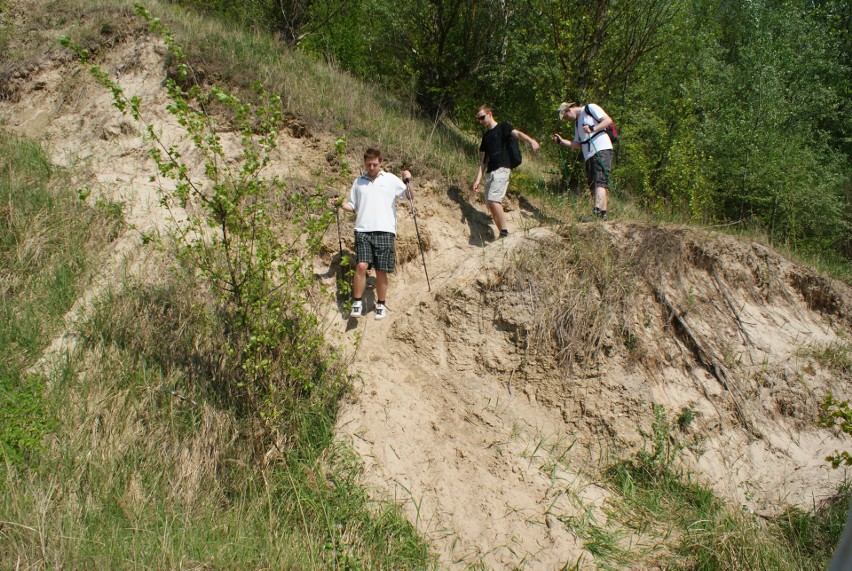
{"x":342,"y":284}
{"x":478,"y":222}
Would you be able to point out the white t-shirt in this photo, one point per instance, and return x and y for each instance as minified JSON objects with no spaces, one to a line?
{"x":600,"y":142}
{"x":375,"y":202}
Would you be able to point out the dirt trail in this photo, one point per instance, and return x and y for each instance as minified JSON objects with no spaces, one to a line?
{"x":464,"y":451}
{"x":495,"y":454}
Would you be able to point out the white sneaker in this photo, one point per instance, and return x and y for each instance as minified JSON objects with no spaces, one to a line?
{"x":357,"y":309}
{"x":381,"y":311}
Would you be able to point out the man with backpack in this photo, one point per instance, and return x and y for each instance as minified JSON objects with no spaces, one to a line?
{"x":593,"y":133}
{"x":499,"y":154}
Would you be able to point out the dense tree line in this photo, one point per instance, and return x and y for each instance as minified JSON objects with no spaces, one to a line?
{"x":730,"y":111}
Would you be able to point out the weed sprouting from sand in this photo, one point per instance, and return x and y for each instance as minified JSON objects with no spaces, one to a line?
{"x":835,"y":356}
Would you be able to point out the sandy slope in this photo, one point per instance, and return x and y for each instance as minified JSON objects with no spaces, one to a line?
{"x":492,"y":454}
{"x":493,"y":450}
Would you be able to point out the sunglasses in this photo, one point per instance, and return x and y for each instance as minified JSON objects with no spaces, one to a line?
{"x":481,"y":117}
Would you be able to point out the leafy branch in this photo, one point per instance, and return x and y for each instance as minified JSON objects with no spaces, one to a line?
{"x":260,"y":280}
{"x":834,"y":413}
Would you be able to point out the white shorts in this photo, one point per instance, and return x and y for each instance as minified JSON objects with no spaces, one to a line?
{"x":496,"y":184}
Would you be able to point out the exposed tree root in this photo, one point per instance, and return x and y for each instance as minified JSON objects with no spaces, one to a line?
{"x":706,"y":358}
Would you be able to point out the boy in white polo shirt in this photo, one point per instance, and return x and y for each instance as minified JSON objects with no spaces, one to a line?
{"x":373,"y":200}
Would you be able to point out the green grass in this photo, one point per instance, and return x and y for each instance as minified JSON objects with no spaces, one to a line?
{"x":150,"y":468}
{"x":814,"y":533}
{"x":124,"y":453}
{"x":835,"y":356}
{"x":48,"y":239}
{"x":702,"y":532}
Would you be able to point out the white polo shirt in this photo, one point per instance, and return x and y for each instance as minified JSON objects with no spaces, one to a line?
{"x":375,"y":202}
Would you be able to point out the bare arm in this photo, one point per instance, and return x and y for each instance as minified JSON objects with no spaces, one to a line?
{"x":559,"y":140}
{"x":526,"y":138}
{"x":605,"y":122}
{"x":482,"y":167}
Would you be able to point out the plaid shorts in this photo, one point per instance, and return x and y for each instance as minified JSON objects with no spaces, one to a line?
{"x":377,"y":249}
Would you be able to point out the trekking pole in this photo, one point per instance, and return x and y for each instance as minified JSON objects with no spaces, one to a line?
{"x":417,"y":229}
{"x":339,"y":239}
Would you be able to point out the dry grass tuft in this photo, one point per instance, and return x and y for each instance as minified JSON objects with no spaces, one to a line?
{"x":580,"y":287}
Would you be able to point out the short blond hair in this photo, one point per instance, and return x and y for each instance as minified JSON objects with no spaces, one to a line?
{"x":563,"y":107}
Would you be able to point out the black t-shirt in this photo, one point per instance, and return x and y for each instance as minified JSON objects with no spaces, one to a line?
{"x":494,"y":143}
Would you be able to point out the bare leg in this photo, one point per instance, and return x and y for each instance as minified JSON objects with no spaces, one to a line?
{"x":359,"y":280}
{"x":600,"y":198}
{"x":497,"y":214}
{"x":381,"y":285}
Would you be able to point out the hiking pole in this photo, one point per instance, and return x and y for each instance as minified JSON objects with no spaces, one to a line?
{"x":339,"y":239}
{"x":417,"y":229}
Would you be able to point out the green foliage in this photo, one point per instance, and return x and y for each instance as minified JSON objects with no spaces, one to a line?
{"x":428,"y":49}
{"x":729,"y":113}
{"x":834,"y":413}
{"x":348,"y":38}
{"x":754,"y":95}
{"x":294,"y":20}
{"x":259,"y":276}
{"x":25,"y":416}
{"x":708,"y":534}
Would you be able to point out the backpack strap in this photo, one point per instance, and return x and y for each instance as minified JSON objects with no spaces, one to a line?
{"x":588,"y":110}
{"x":587,"y":141}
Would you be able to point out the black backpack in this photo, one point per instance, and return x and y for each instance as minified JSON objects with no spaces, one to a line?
{"x":611,"y":130}
{"x":514,"y":150}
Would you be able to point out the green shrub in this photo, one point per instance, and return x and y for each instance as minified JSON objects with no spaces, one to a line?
{"x":25,"y":416}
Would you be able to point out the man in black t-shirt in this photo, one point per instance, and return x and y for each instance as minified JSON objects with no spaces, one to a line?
{"x":494,"y":163}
